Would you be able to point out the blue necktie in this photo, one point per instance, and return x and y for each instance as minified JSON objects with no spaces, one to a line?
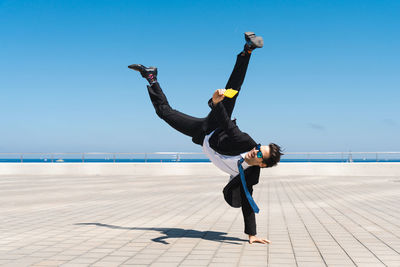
{"x":246,"y":191}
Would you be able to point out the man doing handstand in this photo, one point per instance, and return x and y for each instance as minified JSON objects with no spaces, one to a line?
{"x":230,"y":149}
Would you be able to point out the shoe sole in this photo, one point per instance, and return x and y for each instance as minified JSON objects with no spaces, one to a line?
{"x":135,"y":67}
{"x":251,"y":37}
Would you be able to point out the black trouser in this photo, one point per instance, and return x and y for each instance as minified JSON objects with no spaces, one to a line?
{"x":189,"y":125}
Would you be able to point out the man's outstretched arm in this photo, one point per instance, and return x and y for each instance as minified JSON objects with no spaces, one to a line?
{"x":221,"y":115}
{"x":250,"y":220}
{"x":220,"y":112}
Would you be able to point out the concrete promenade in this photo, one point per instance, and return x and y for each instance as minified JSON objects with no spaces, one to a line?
{"x":174,"y":214}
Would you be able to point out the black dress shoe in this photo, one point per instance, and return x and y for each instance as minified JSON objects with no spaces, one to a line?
{"x":252,"y":41}
{"x":148,"y":73}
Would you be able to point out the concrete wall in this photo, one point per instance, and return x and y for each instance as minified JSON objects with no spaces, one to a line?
{"x":206,"y":169}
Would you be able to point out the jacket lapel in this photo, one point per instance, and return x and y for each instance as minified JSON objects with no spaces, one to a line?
{"x":232,"y":189}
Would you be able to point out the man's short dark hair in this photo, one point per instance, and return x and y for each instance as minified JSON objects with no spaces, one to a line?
{"x":275,"y":154}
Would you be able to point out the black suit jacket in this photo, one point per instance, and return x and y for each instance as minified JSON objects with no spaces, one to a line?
{"x":229,"y":140}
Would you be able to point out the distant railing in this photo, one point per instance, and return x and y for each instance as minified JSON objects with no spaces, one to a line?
{"x":103,"y":157}
{"x":341,"y":157}
{"x":192,"y":157}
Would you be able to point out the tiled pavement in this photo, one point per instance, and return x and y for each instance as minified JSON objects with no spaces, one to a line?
{"x":183,"y":221}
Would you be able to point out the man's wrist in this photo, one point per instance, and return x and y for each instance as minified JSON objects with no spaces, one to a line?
{"x":214,"y":103}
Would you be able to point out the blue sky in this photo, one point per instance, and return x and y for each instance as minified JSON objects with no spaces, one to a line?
{"x":327,"y":78}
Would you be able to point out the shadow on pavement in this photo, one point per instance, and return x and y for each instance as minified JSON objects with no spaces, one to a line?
{"x":176,"y":233}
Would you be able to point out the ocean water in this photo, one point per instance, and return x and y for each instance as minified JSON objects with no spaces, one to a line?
{"x":33,"y":160}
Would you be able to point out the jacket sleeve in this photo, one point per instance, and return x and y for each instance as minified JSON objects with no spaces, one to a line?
{"x":210,"y":103}
{"x":224,"y":121}
{"x":249,"y":217}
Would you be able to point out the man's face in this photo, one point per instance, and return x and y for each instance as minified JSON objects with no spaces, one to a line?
{"x":252,"y":159}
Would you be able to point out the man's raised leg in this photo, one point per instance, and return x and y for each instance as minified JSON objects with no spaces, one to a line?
{"x":239,"y":71}
{"x":181,"y":122}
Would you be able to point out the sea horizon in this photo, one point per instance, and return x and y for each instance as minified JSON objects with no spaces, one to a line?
{"x":80,"y":160}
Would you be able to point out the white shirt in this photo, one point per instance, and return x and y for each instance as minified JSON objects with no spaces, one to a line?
{"x":225,"y":163}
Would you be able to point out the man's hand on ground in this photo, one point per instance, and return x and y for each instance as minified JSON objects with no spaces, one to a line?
{"x":254,"y":239}
{"x":218,"y":96}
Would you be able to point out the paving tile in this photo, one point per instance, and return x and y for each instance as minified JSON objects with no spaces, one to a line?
{"x":164,"y":264}
{"x":50,"y":263}
{"x":194,"y":263}
{"x":169,"y":259}
{"x":74,"y":265}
